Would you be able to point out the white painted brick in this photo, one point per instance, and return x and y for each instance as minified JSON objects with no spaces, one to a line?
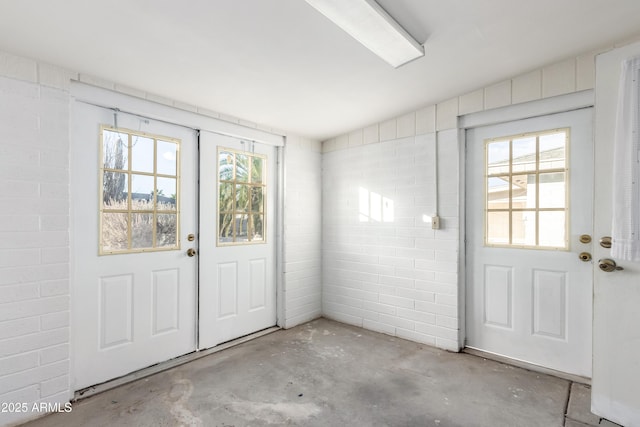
{"x":342,"y":142}
{"x":28,"y":395}
{"x":17,"y":67}
{"x":371,"y":134}
{"x":54,"y":222}
{"x":54,"y":255}
{"x":18,"y":223}
{"x":215,"y":115}
{"x":396,"y":301}
{"x":388,"y":130}
{"x":435,"y":308}
{"x":35,"y":307}
{"x":356,"y":138}
{"x":444,"y":299}
{"x":426,"y":120}
{"x":21,"y":362}
{"x":54,"y":386}
{"x":56,"y":77}
{"x":18,"y":189}
{"x":397,"y":322}
{"x":447,"y":114}
{"x":18,"y":257}
{"x":54,"y":287}
{"x":416,"y":294}
{"x":558,"y":79}
{"x":418,"y":316}
{"x":28,"y":377}
{"x":527,"y":87}
{"x":406,"y":125}
{"x":498,"y":95}
{"x":379,"y":327}
{"x":416,"y":336}
{"x":447,"y":322}
{"x":33,"y":273}
{"x":471,"y":102}
{"x":16,"y":328}
{"x":586,"y":71}
{"x":16,"y":293}
{"x":54,"y":354}
{"x":436,"y":331}
{"x":448,"y":344}
{"x":32,"y":342}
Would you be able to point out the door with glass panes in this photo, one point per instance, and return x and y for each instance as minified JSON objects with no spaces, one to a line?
{"x":134,"y":206}
{"x":529,"y":195}
{"x":237,"y":238}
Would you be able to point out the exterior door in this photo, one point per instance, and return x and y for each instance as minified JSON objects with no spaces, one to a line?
{"x":237,"y":238}
{"x":134,"y":290}
{"x":529,"y":187}
{"x":615,"y":393}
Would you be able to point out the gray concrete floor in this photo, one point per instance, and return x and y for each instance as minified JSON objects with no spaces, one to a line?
{"x":326,"y":373}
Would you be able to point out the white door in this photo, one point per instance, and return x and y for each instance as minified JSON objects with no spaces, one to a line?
{"x":134,"y":289}
{"x":616,"y":364}
{"x":529,"y":188}
{"x":237,"y":238}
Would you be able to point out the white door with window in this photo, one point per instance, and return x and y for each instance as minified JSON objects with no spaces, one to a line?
{"x":237,"y":238}
{"x":134,"y":204}
{"x":529,"y":197}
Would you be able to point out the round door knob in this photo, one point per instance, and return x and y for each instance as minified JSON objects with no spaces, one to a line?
{"x":608,"y":265}
{"x":191,"y":252}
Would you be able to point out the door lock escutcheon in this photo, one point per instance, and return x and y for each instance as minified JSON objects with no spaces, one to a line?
{"x":608,"y":265}
{"x":585,"y":256}
{"x":585,"y":238}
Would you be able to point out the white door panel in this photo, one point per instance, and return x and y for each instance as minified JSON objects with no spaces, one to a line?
{"x":532,"y":304}
{"x":616,"y":365}
{"x":237,"y":282}
{"x":130,"y":310}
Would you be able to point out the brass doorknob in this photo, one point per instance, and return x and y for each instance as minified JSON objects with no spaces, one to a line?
{"x":191,"y":252}
{"x":608,"y":265}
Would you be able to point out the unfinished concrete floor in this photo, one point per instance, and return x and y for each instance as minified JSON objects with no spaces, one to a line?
{"x":326,"y":373}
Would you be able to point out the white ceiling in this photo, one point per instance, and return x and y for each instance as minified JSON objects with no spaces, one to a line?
{"x":282,"y":64}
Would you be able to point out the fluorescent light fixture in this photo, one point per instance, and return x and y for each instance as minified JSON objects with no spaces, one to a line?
{"x":367,"y":22}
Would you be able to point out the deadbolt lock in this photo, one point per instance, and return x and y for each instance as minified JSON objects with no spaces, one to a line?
{"x":608,"y":265}
{"x":585,"y":238}
{"x":191,"y":252}
{"x":191,"y":237}
{"x":585,"y":256}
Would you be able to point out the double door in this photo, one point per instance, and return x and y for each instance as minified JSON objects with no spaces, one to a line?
{"x":165,"y":261}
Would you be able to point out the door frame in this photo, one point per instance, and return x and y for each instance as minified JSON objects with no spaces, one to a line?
{"x":527,"y":110}
{"x":108,"y":99}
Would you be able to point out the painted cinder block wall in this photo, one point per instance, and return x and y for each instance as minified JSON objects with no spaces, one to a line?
{"x":35,"y":257}
{"x":401,"y":277}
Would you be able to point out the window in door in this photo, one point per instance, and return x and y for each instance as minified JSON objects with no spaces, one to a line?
{"x":526,"y":190}
{"x":139,"y":200}
{"x":241,"y":196}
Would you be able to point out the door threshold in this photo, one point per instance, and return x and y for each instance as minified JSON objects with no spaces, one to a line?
{"x":526,"y":365}
{"x":166,"y":365}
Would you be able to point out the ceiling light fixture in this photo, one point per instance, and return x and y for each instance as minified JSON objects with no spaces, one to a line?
{"x":367,"y":22}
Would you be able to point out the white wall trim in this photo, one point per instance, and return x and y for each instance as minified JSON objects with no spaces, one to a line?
{"x":526,"y":110}
{"x":108,"y":99}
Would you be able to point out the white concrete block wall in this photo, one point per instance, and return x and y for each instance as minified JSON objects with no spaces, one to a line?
{"x":34,"y":236}
{"x":303,"y":226}
{"x":384,"y":267}
{"x":402,"y":278}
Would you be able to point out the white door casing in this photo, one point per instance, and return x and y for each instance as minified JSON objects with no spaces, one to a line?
{"x":615,"y":393}
{"x":129,"y":311}
{"x":530,"y":304}
{"x":237,"y":283}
